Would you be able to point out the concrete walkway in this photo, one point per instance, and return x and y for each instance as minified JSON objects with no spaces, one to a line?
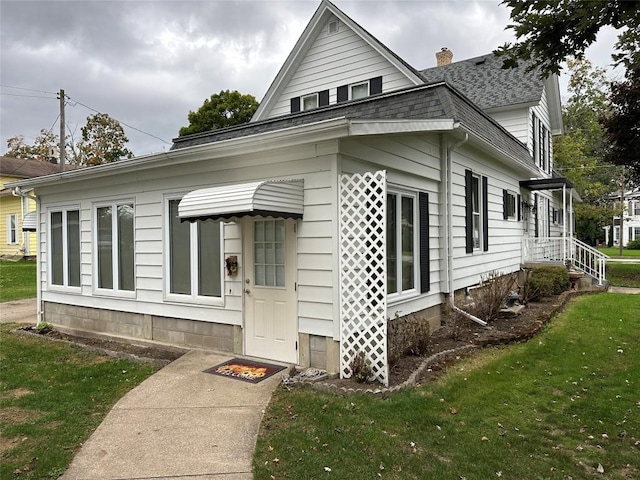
{"x":179,"y":423}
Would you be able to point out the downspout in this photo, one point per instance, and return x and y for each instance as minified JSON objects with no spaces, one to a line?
{"x":19,"y":193}
{"x":449,"y":228}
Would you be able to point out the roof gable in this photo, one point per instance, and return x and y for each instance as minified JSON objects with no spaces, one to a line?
{"x":303,"y":73}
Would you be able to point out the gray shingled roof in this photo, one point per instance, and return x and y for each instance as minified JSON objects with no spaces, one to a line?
{"x":486,"y":83}
{"x":424,"y":102}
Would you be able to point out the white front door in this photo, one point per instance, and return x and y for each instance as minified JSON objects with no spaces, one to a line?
{"x":271,"y":326}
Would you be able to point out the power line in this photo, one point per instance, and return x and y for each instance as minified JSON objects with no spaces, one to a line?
{"x":28,"y":90}
{"x":121,"y":122}
{"x":25,"y":96}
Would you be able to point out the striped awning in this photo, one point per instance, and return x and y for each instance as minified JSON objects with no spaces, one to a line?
{"x":30,"y":222}
{"x":269,"y":198}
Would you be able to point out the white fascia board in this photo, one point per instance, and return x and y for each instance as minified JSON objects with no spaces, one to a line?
{"x":378,"y":127}
{"x":552,"y":91}
{"x":286,"y":137}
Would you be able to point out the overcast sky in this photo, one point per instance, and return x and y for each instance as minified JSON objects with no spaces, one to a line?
{"x":147,"y":63}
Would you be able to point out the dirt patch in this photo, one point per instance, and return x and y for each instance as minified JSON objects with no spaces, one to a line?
{"x":17,"y":393}
{"x":455,"y":341}
{"x":19,"y":416}
{"x":157,"y":354}
{"x":7,"y":444}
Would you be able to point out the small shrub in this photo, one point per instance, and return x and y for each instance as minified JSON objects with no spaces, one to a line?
{"x":361,"y":368}
{"x":489,"y":298}
{"x":633,"y":244}
{"x":44,"y":328}
{"x":547,"y":281}
{"x":408,"y":335}
{"x":458,"y":324}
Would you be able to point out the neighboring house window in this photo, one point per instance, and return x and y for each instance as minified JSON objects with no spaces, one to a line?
{"x":115,"y":246}
{"x":12,"y":229}
{"x":477,"y":213}
{"x":636,"y":208}
{"x":407,"y":242}
{"x":310,"y":101}
{"x":64,"y":261}
{"x":359,"y":90}
{"x":636,"y":233}
{"x":510,"y":204}
{"x":195,"y":265}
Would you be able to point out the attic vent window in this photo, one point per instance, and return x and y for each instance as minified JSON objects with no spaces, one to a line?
{"x":333,"y":27}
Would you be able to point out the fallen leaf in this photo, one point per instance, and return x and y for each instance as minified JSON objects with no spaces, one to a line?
{"x":484,"y":439}
{"x":327,"y":469}
{"x":600,"y":469}
{"x":454,"y":411}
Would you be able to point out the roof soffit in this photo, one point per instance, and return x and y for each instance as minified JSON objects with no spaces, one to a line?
{"x":323,"y":14}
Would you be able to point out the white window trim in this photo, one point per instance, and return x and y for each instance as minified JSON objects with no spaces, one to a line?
{"x":310,"y":95}
{"x":115,"y":253}
{"x":357,"y":84}
{"x":479,"y":213}
{"x":398,"y":297}
{"x":333,"y":22}
{"x":194,"y":298}
{"x":65,"y":249}
{"x":15,"y":230}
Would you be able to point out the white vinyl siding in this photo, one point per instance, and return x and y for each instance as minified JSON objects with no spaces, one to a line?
{"x":515,"y":121}
{"x":333,"y":60}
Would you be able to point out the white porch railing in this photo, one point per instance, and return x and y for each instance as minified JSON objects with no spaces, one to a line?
{"x":557,"y":250}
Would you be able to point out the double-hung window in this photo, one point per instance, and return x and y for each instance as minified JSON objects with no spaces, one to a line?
{"x":510,"y":205}
{"x":12,"y":229}
{"x":476,"y":212}
{"x":407,"y":243}
{"x":64,"y":241}
{"x":115,"y":252}
{"x":195,"y":252}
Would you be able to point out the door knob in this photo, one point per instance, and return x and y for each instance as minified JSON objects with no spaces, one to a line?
{"x":247,"y":291}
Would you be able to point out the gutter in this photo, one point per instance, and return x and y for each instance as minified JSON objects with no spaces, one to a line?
{"x":449,"y":228}
{"x":17,"y":192}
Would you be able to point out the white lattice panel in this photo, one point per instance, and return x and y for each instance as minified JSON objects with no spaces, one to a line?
{"x":363,"y":294}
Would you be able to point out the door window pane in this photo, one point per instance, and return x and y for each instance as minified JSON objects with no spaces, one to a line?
{"x":269,"y":253}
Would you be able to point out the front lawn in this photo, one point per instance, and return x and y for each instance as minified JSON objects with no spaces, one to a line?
{"x":614,"y":252}
{"x":52,"y":397}
{"x":623,"y":274}
{"x":563,"y":405}
{"x":17,"y":280}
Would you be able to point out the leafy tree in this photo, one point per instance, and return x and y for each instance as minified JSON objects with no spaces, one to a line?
{"x":38,"y":151}
{"x":622,"y":125}
{"x":223,"y":109}
{"x":103,"y":141}
{"x":548,"y":32}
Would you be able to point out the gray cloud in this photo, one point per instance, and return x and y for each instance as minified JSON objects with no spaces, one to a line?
{"x":147,"y":63}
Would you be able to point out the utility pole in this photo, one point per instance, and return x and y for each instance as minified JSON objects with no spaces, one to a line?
{"x":62,"y":129}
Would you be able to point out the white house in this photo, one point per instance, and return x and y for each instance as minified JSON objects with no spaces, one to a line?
{"x":363,"y":190}
{"x":630,"y":220}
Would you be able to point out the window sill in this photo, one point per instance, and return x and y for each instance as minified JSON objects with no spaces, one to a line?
{"x":103,"y":292}
{"x":63,"y":289}
{"x":196,"y":301}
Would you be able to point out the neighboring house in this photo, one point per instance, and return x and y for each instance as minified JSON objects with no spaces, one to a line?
{"x":16,"y":225}
{"x":363,"y":190}
{"x":630,"y":220}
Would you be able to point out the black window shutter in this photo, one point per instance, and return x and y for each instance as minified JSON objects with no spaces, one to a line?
{"x":343,"y":93}
{"x":518,"y":206}
{"x":295,"y":104}
{"x":549,"y":219}
{"x":485,"y":214}
{"x":425,"y":273}
{"x":323,"y":98}
{"x":505,"y":205}
{"x":535,"y":215}
{"x":468,"y":205}
{"x":375,"y":85}
{"x":534,"y":137}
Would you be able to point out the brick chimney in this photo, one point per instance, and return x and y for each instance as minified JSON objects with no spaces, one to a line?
{"x":444,"y":56}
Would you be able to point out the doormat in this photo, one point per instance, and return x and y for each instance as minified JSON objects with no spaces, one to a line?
{"x":245,"y":370}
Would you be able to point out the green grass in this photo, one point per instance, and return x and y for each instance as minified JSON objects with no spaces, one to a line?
{"x":614,"y":252}
{"x":555,"y":407}
{"x":17,"y":280}
{"x":52,"y":397}
{"x":623,"y":274}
